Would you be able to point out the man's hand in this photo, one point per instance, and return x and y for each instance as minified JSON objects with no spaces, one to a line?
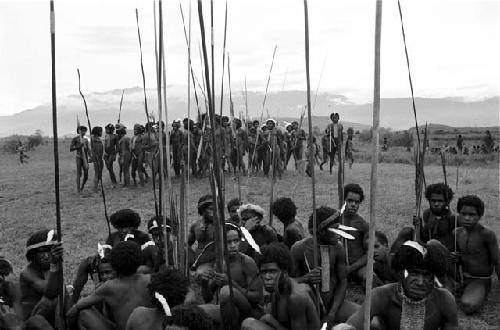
{"x":251,"y":223}
{"x":314,"y":276}
{"x":220,"y":279}
{"x":72,"y":313}
{"x":8,"y":318}
{"x":207,"y":274}
{"x":343,"y":326}
{"x":348,"y":270}
{"x":56,"y":253}
{"x":455,"y":257}
{"x":417,"y":221}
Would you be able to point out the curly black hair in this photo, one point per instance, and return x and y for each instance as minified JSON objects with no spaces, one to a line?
{"x":440,"y":189}
{"x":125,"y":218}
{"x":434,"y":260}
{"x":381,"y":238}
{"x":96,"y":130}
{"x":190,"y":317}
{"x":284,"y":208}
{"x":471,"y":200}
{"x":203,"y":203}
{"x":231,"y":226}
{"x":126,"y":257}
{"x":277,"y":253}
{"x":354,"y":188}
{"x":171,"y":284}
{"x":322,"y":213}
{"x":37,"y":237}
{"x":5,"y":266}
{"x":233,"y":202}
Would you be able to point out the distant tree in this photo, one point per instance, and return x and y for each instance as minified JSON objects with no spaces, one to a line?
{"x":35,"y":140}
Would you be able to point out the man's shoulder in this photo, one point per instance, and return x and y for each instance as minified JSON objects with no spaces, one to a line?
{"x":300,"y":245}
{"x":486,"y":232}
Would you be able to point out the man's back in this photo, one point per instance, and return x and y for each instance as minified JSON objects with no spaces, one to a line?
{"x":144,"y":318}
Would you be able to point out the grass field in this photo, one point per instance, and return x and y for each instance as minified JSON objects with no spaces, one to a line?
{"x":27,"y":203}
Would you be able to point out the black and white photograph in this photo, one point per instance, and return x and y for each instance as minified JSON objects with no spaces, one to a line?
{"x":249,"y":165}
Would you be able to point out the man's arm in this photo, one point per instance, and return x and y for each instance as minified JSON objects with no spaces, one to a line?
{"x":93,"y":299}
{"x":450,"y":312}
{"x":492,"y":244}
{"x":80,"y":278}
{"x":379,"y":303}
{"x":254,"y":291}
{"x":302,"y":313}
{"x":340,"y":289}
{"x":298,"y":274}
{"x":191,"y":235}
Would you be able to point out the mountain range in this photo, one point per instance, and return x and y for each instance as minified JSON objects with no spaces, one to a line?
{"x":396,"y":113}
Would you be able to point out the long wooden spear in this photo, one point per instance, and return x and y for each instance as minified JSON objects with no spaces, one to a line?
{"x":142,"y":66}
{"x":233,"y":129}
{"x":311,"y":153}
{"x":94,"y":157}
{"x":56,"y":158}
{"x":373,"y":176}
{"x":120,"y":111}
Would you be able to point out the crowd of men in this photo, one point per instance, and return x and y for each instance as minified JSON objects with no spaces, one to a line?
{"x":271,"y":280}
{"x":260,"y":147}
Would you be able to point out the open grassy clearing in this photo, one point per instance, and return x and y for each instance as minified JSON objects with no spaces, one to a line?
{"x":27,"y":203}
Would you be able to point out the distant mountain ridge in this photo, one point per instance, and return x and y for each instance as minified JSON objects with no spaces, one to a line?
{"x":396,"y":113}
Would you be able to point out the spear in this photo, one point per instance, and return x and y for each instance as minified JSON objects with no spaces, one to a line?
{"x":121,"y":102}
{"x":373,"y":176}
{"x":233,"y":130}
{"x":142,"y":65}
{"x":94,"y":157}
{"x":311,"y":153}
{"x":56,"y":158}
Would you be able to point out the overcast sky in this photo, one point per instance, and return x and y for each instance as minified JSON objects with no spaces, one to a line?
{"x":453,"y":47}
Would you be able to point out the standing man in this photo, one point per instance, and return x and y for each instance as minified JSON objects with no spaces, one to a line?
{"x":97,"y":151}
{"x":81,"y":145}
{"x":240,"y":143}
{"x":189,"y":153}
{"x":137,"y":154}
{"x":124,"y":152}
{"x":460,"y":143}
{"x":176,"y":144}
{"x":298,"y":136}
{"x":110,"y":149}
{"x":336,"y":132}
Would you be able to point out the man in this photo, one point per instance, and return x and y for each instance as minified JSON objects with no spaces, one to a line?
{"x":336,"y":134}
{"x":488,"y":142}
{"x":291,"y":305}
{"x":413,"y":303}
{"x":127,"y":222}
{"x":331,"y":252}
{"x":110,"y":150}
{"x":176,"y":145}
{"x":438,"y":220}
{"x":226,"y":142}
{"x":253,"y":146}
{"x":39,"y":280}
{"x":285,"y":210}
{"x":189,"y":153}
{"x":272,"y":138}
{"x":81,"y":145}
{"x":460,"y":143}
{"x":287,"y":137}
{"x":326,"y":148}
{"x":239,"y":147}
{"x":167,"y":290}
{"x":356,"y":249}
{"x":122,"y":294}
{"x":202,"y":231}
{"x":382,"y":264}
{"x":137,"y":154}
{"x":298,"y":138}
{"x":232,"y":208}
{"x":97,"y":152}
{"x":125,"y":154}
{"x":9,"y":290}
{"x":478,"y":254}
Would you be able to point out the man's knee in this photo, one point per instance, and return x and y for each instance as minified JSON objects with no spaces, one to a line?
{"x":470,"y":305}
{"x":250,"y":323}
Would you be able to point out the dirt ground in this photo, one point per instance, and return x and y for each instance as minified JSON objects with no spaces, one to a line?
{"x":27,"y":203}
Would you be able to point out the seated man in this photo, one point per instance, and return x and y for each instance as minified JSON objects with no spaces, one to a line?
{"x":167,"y":290}
{"x":90,"y":267}
{"x":246,"y":284}
{"x":202,"y":231}
{"x":292,"y":305}
{"x":414,"y":302}
{"x":232,"y":208}
{"x":127,"y":224}
{"x":39,"y":279}
{"x":477,"y":253}
{"x":153,"y":256}
{"x":335,"y":307}
{"x":190,"y":317}
{"x":382,"y":264}
{"x":251,"y":218}
{"x":121,"y":294}
{"x":9,"y":291}
{"x":438,"y":222}
{"x":285,"y":210}
{"x":356,"y":249}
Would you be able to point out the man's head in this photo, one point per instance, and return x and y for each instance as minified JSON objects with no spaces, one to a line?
{"x":418,"y":265}
{"x":288,"y":127}
{"x":234,"y":235}
{"x":256,"y":124}
{"x":171,"y":284}
{"x":380,"y":246}
{"x":206,"y":207}
{"x":326,"y":217}
{"x":274,"y":262}
{"x":155,"y":225}
{"x":334,"y":117}
{"x":109,"y":128}
{"x":439,"y":196}
{"x":82,"y":130}
{"x":353,"y":197}
{"x":138,"y":129}
{"x":225,"y":121}
{"x":295,"y":124}
{"x":39,"y":246}
{"x":96,"y":131}
{"x":471,"y":209}
{"x":284,"y":208}
{"x":121,"y":129}
{"x":270,"y":124}
{"x":105,"y":270}
{"x":232,"y":208}
{"x":125,"y":258}
{"x":190,"y":317}
{"x":237,"y":123}
{"x":249,"y":211}
{"x":125,"y":221}
{"x":196,"y":128}
{"x":5,"y":269}
{"x":176,"y":124}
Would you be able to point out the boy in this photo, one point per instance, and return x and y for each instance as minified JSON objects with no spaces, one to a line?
{"x":122,"y":294}
{"x":382,"y":265}
{"x":285,"y":210}
{"x":337,"y":309}
{"x":413,"y":302}
{"x":292,"y":305}
{"x":477,"y":253}
{"x":170,"y":284}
